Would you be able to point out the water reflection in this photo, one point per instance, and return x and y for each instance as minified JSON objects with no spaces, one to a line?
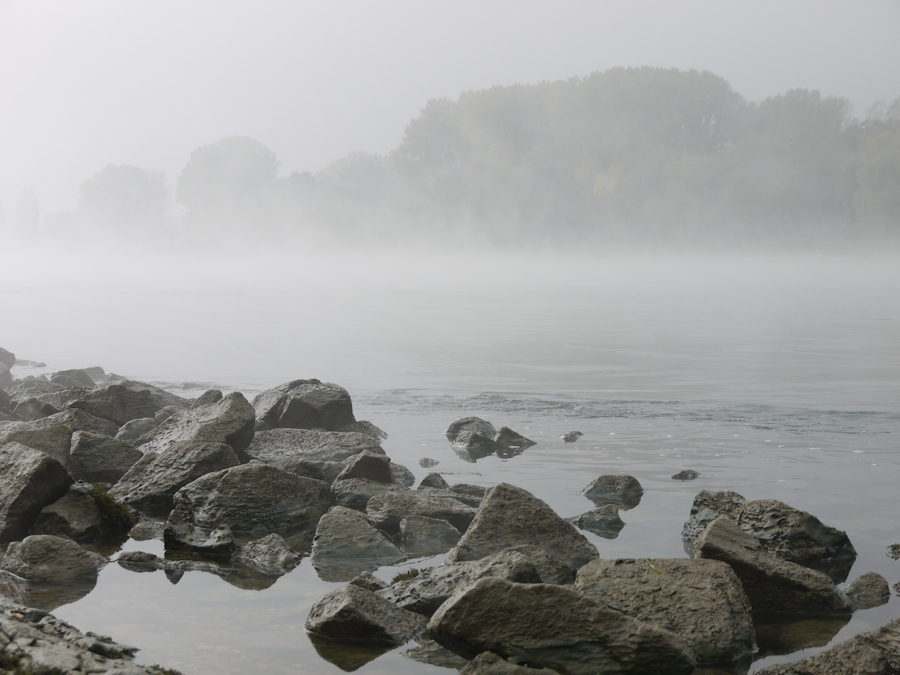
{"x":47,"y":596}
{"x":348,"y":656}
{"x":779,"y":634}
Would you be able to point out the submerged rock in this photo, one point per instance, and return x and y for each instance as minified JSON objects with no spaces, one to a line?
{"x":424,"y":536}
{"x":346,"y":544}
{"x":352,"y":613}
{"x":604,"y":521}
{"x":868,"y":591}
{"x":625,"y":492}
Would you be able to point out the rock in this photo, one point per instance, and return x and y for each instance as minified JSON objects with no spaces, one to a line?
{"x":427,"y":462}
{"x":423,"y":536}
{"x":355,"y":493}
{"x":347,"y":544}
{"x":894,"y":551}
{"x":402,"y":475}
{"x":367,"y":428}
{"x":386,"y":510}
{"x":7,"y":358}
{"x":873,"y":653}
{"x":512,"y":439}
{"x":475,"y":425}
{"x":434,"y":480}
{"x":551,"y":570}
{"x":230,"y":420}
{"x":623,"y":491}
{"x":151,"y":483}
{"x":472,"y":495}
{"x":207,"y":397}
{"x":29,"y":481}
{"x":269,"y":555}
{"x":165,"y":413}
{"x":368,"y":581}
{"x":76,"y":377}
{"x":311,"y":468}
{"x":305,"y":404}
{"x":45,"y":559}
{"x":100,"y":459}
{"x":571,"y":436}
{"x":117,"y":403}
{"x":433,"y":654}
{"x":75,"y":419}
{"x":6,"y":378}
{"x":488,"y":663}
{"x":604,"y":521}
{"x":772,"y":584}
{"x":54,"y":441}
{"x":368,"y":465}
{"x":162,"y":399}
{"x":244,"y":502}
{"x":780,"y":529}
{"x":33,"y":409}
{"x":510,"y":516}
{"x":686,"y":474}
{"x":700,"y":600}
{"x":35,"y":387}
{"x":84,"y":514}
{"x":554,"y":627}
{"x":430,"y":588}
{"x":279,"y":445}
{"x":131,"y":431}
{"x":868,"y":591}
{"x":471,"y":446}
{"x":353,"y":613}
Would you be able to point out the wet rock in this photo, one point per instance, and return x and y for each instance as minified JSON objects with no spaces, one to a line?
{"x":430,"y":588}
{"x":147,"y":529}
{"x":355,"y":493}
{"x":433,"y":654}
{"x":550,"y":569}
{"x":213,"y":513}
{"x":74,"y":377}
{"x":368,"y":581}
{"x":100,"y":459}
{"x":773,"y":585}
{"x":84,"y":514}
{"x":207,"y":397}
{"x":510,"y":516}
{"x":686,"y":474}
{"x":230,"y":420}
{"x":151,"y":483}
{"x":554,"y":627}
{"x":131,"y":431}
{"x":624,"y":492}
{"x":571,"y":436}
{"x":488,"y":663}
{"x":434,"y":480}
{"x":117,"y":403}
{"x":873,"y":653}
{"x":7,"y":358}
{"x":29,"y":481}
{"x":32,"y":409}
{"x":269,"y":555}
{"x":868,"y":591}
{"x":353,"y":613}
{"x":472,"y":495}
{"x":700,"y":600}
{"x":385,"y":511}
{"x":280,"y":445}
{"x":368,"y":465}
{"x":423,"y":536}
{"x":367,"y":428}
{"x":402,"y":476}
{"x":347,"y":544}
{"x":781,"y":530}
{"x":54,"y":441}
{"x":427,"y":462}
{"x":513,"y":439}
{"x":311,"y":468}
{"x":604,"y":521}
{"x":305,"y":404}
{"x":45,"y":559}
{"x":471,"y":446}
{"x":473,"y":425}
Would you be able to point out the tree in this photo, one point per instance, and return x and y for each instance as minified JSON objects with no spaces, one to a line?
{"x":123,"y":199}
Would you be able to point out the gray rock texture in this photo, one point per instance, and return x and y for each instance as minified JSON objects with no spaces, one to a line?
{"x":100,"y":459}
{"x":131,"y":431}
{"x":554,"y":627}
{"x":624,"y":492}
{"x":117,"y":403}
{"x":355,"y":493}
{"x":868,"y":591}
{"x":47,"y":559}
{"x":369,"y":465}
{"x":386,"y":510}
{"x":488,"y":663}
{"x":305,"y":404}
{"x":346,"y":544}
{"x":424,"y":536}
{"x":84,"y":514}
{"x":510,"y":516}
{"x":700,"y":600}
{"x":268,"y":555}
{"x":29,"y":481}
{"x":53,"y":440}
{"x":280,"y":445}
{"x":353,"y":613}
{"x":32,"y":409}
{"x":604,"y":521}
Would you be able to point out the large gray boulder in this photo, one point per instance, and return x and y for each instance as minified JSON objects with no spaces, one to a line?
{"x":75,"y":419}
{"x":31,"y":409}
{"x":781,"y":530}
{"x":84,"y":514}
{"x":305,"y":404}
{"x":431,"y":587}
{"x":74,"y":377}
{"x":386,"y":510}
{"x":54,"y":440}
{"x":100,"y":459}
{"x":230,"y":420}
{"x":151,"y":483}
{"x":117,"y":403}
{"x":352,"y":613}
{"x":555,"y":627}
{"x":346,"y":544}
{"x":700,"y":600}
{"x":369,"y":465}
{"x":131,"y":431}
{"x":220,"y":510}
{"x":510,"y":516}
{"x":7,"y":358}
{"x":874,"y":653}
{"x":868,"y":591}
{"x":29,"y":481}
{"x":355,"y":493}
{"x":424,"y":536}
{"x":772,"y":585}
{"x":279,"y":446}
{"x":622,"y":491}
{"x":45,"y":559}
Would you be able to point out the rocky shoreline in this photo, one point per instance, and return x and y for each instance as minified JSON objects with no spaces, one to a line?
{"x":245,"y":490}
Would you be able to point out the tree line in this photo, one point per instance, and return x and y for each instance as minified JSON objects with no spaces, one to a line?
{"x":635,"y":156}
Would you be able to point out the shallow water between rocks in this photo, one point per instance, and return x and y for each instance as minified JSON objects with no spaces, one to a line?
{"x":773,"y":378}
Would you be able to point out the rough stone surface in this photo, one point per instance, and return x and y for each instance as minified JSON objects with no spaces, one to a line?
{"x":100,"y":459}
{"x":54,"y":441}
{"x":7,"y":358}
{"x":29,"y":481}
{"x":74,"y":377}
{"x":554,"y":627}
{"x":402,"y":476}
{"x":475,"y":425}
{"x":868,"y":591}
{"x":45,"y":559}
{"x":319,"y":469}
{"x":367,"y":428}
{"x":625,"y":492}
{"x":386,"y":510}
{"x":34,"y":409}
{"x":368,"y":581}
{"x":207,"y":397}
{"x":269,"y":555}
{"x":604,"y":521}
{"x":355,"y":614}
{"x":278,"y":445}
{"x":355,"y":493}
{"x":369,"y":465}
{"x":873,"y":653}
{"x":347,"y":544}
{"x":429,"y":589}
{"x":771,"y":584}
{"x":230,"y":420}
{"x":117,"y":403}
{"x":423,"y":536}
{"x":151,"y":483}
{"x":686,"y":474}
{"x":83,"y":515}
{"x":75,"y":419}
{"x":510,"y":516}
{"x":244,"y":502}
{"x":700,"y":600}
{"x":513,"y":439}
{"x":133,"y":430}
{"x":305,"y":404}
{"x":434,"y":480}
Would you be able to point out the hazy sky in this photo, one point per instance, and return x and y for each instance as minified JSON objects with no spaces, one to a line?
{"x":84,"y":84}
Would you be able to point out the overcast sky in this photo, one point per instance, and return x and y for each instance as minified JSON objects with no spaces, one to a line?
{"x":85,"y":84}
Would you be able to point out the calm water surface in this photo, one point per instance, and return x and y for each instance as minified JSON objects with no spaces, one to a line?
{"x":776,"y":379}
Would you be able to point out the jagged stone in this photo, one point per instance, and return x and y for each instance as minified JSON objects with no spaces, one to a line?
{"x":604,"y":521}
{"x":354,"y":613}
{"x":100,"y":459}
{"x":386,"y":510}
{"x":305,"y":404}
{"x":54,"y":441}
{"x":280,"y":445}
{"x":84,"y":514}
{"x":346,"y":544}
{"x":29,"y":481}
{"x":34,"y":409}
{"x":368,"y":465}
{"x":423,"y":536}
